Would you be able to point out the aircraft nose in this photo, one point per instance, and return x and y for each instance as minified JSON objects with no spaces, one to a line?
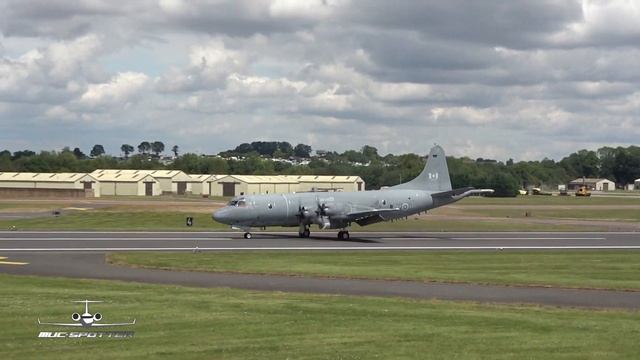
{"x":222,"y":216}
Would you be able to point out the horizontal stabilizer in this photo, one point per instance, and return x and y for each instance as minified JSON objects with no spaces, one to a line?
{"x":451,"y":193}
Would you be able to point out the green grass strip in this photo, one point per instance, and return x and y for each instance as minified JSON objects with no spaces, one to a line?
{"x":579,"y":269}
{"x":194,"y":323}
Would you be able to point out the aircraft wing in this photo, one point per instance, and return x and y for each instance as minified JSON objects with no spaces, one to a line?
{"x":369,"y":216}
{"x":114,"y":324}
{"x":60,"y":324}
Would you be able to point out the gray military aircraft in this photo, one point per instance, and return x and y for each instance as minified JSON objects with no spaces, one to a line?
{"x":338,"y":210}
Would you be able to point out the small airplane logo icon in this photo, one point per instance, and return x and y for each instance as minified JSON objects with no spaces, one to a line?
{"x":86,"y":319}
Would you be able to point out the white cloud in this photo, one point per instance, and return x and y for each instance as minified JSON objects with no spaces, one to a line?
{"x":339,"y":74}
{"x":121,"y":91}
{"x":312,"y":9}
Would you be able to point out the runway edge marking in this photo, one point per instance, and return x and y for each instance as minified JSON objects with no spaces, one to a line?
{"x":622,"y":247}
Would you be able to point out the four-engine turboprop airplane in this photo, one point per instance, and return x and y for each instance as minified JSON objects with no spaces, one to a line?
{"x":338,"y":210}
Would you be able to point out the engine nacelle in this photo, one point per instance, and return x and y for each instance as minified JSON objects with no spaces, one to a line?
{"x":334,"y":209}
{"x":97,"y":317}
{"x":75,"y":317}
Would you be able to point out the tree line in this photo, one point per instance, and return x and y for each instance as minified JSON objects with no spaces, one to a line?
{"x":620,"y":164}
{"x":154,"y":149}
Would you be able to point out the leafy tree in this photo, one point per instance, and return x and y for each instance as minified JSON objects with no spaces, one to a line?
{"x":24,"y":153}
{"x":144,"y":147}
{"x":97,"y":150}
{"x":286,"y":149}
{"x":302,"y":151}
{"x":370,"y":153}
{"x":175,"y":149}
{"x":157,"y":147}
{"x":79,"y":154}
{"x":5,"y":161}
{"x":126,"y":150}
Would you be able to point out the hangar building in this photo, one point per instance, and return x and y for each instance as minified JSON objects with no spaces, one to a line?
{"x":592,"y":184}
{"x":201,"y":184}
{"x":327,"y":183}
{"x":234,"y":185}
{"x":127,"y":183}
{"x":170,"y":181}
{"x":76,"y":184}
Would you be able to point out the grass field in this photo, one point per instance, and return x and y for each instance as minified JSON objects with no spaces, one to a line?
{"x":175,"y":221}
{"x":582,"y":213}
{"x":193,"y":323}
{"x":550,"y":200}
{"x":581,"y":269}
{"x":168,"y":213}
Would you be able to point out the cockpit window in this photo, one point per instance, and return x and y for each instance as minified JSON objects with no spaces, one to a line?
{"x":239,"y":202}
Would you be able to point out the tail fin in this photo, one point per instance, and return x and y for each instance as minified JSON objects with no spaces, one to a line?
{"x":434,"y":177}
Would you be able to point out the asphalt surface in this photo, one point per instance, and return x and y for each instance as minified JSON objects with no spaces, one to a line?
{"x":81,"y":255}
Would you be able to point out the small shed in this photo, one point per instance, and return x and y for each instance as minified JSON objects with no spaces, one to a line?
{"x":61,"y":181}
{"x":592,"y":184}
{"x":127,"y":184}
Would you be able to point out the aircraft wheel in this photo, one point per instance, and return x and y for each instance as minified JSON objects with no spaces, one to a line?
{"x":306,"y":233}
{"x":345,"y":235}
{"x":247,"y":235}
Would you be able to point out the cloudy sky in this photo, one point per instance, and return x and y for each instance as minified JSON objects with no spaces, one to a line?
{"x":494,"y":79}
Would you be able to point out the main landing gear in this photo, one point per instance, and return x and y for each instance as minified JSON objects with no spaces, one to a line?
{"x":343,"y":235}
{"x":247,"y":235}
{"x":304,"y":231}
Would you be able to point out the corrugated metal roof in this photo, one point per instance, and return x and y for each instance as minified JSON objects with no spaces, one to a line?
{"x":45,"y":177}
{"x":126,"y":177}
{"x":325,"y":178}
{"x":158,"y":174}
{"x":205,"y":177}
{"x":264,"y":179}
{"x":588,"y":181}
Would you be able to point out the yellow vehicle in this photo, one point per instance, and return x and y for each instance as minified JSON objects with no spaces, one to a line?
{"x":583,"y":191}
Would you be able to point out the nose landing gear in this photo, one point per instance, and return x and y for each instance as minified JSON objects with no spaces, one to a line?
{"x":247,"y":235}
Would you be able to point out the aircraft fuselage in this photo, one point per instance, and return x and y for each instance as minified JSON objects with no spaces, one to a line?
{"x":322,"y":208}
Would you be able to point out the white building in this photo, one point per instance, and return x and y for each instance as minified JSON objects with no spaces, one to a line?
{"x":201,"y":183}
{"x":59,"y":181}
{"x":593,"y":184}
{"x":170,"y":181}
{"x":128,"y":184}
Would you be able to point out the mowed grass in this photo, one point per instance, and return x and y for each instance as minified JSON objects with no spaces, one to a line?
{"x":176,"y":221}
{"x":116,"y":220}
{"x":551,"y":200}
{"x":581,"y":213}
{"x":198,"y":323}
{"x":579,"y":269}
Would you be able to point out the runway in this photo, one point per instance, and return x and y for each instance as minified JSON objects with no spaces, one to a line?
{"x":220,"y":241}
{"x":81,"y":255}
